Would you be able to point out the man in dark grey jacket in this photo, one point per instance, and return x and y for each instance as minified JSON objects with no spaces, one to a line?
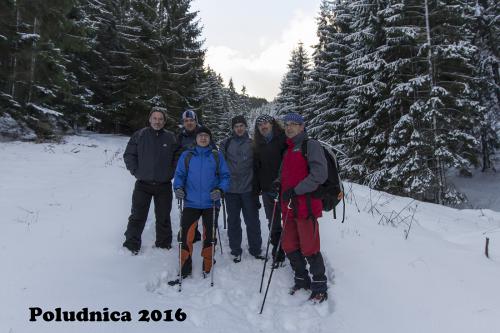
{"x":238,"y":153}
{"x":150,"y":158}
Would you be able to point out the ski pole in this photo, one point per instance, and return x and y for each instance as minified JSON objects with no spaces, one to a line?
{"x":218,"y":234}
{"x":224,"y":211}
{"x":268,"y":242}
{"x":213,"y":247}
{"x":179,"y":206}
{"x":274,"y":257}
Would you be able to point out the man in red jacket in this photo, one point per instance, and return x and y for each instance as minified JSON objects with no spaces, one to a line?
{"x":300,"y":176}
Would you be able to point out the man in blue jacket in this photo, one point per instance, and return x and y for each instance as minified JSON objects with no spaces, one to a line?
{"x":200,"y":179}
{"x":150,"y":158}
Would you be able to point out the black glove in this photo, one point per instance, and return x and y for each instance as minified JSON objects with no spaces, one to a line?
{"x":257,"y":202}
{"x":180,"y":194}
{"x":276,"y":186}
{"x":216,"y":194}
{"x":288,"y":195}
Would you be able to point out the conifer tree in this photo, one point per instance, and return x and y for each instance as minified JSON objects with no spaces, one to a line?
{"x":293,"y":95}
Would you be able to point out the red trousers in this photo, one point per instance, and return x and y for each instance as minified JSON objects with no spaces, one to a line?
{"x":300,"y":234}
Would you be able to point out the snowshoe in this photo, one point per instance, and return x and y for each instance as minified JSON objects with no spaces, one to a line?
{"x":318,"y":297}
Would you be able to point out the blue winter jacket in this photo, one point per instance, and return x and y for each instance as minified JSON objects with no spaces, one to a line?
{"x":201,"y":177}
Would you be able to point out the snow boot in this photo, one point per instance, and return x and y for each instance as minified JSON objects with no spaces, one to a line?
{"x":177,"y":281}
{"x":318,"y":297}
{"x":237,"y":258}
{"x":296,"y":288}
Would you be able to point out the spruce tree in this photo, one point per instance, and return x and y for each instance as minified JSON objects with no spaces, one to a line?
{"x":293,"y":95}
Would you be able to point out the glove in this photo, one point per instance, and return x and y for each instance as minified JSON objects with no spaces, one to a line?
{"x":288,"y":195}
{"x":276,"y":186}
{"x":257,"y":202}
{"x":215,"y":195}
{"x":180,"y":194}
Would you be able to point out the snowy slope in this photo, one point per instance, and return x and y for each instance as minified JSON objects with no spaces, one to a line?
{"x":64,"y":209}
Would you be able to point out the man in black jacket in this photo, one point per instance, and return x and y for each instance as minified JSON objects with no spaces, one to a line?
{"x":270,"y":145}
{"x":150,"y":158}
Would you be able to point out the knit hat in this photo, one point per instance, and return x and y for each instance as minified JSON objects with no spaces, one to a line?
{"x":189,"y":114}
{"x":293,"y":117}
{"x":163,"y":111}
{"x":238,"y":120}
{"x":263,"y":118}
{"x":203,"y":129}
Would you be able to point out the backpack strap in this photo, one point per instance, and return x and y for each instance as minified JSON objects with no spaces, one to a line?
{"x":303,"y":150}
{"x":226,"y":145}
{"x":215,"y":153}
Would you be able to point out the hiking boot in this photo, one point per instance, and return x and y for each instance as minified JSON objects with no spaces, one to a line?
{"x":318,"y":297}
{"x":165,"y":247}
{"x":177,"y":281}
{"x":296,"y":288}
{"x":237,"y":258}
{"x":131,"y":249}
{"x":278,"y":264}
{"x":259,"y":257}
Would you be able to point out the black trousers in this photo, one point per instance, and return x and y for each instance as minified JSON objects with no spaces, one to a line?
{"x":190,"y":217}
{"x":141,"y":200}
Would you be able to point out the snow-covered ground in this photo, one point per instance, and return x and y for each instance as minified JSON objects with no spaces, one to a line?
{"x":64,"y":209}
{"x":482,"y":190}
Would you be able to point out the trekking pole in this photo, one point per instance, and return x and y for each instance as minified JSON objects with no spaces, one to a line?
{"x":274,"y":257}
{"x":268,"y":242}
{"x":179,"y":206}
{"x":218,"y":234}
{"x":224,"y":211}
{"x":343,"y":209}
{"x":213,"y":247}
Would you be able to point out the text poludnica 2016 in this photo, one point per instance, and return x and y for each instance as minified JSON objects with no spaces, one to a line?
{"x":104,"y":315}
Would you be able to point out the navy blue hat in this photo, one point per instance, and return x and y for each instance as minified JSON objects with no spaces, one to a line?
{"x":293,"y":117}
{"x":189,"y":114}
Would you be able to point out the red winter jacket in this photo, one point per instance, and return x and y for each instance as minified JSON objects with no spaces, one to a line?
{"x":303,"y":175}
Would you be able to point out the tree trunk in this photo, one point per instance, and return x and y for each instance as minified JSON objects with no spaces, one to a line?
{"x":14,"y":60}
{"x":439,"y":170}
{"x":33,"y":62}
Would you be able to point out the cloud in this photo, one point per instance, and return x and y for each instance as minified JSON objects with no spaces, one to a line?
{"x":261,"y":72}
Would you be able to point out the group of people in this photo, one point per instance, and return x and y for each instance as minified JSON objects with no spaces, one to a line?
{"x":239,"y":171}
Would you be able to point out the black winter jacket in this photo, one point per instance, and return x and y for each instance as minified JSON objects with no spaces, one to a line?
{"x":150,"y":155}
{"x":267,"y":162}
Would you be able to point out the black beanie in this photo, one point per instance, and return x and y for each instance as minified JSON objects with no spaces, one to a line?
{"x":203,"y":129}
{"x":238,"y":120}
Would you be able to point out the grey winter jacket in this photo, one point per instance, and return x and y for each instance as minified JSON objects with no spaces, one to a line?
{"x":318,"y":166}
{"x":150,"y":155}
{"x":238,"y":153}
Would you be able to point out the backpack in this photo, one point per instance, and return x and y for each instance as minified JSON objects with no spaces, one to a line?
{"x":329,"y":191}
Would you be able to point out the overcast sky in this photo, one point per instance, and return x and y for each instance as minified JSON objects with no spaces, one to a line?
{"x":251,"y":41}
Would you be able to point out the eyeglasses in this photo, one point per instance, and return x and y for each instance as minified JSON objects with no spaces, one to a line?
{"x":291,"y":123}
